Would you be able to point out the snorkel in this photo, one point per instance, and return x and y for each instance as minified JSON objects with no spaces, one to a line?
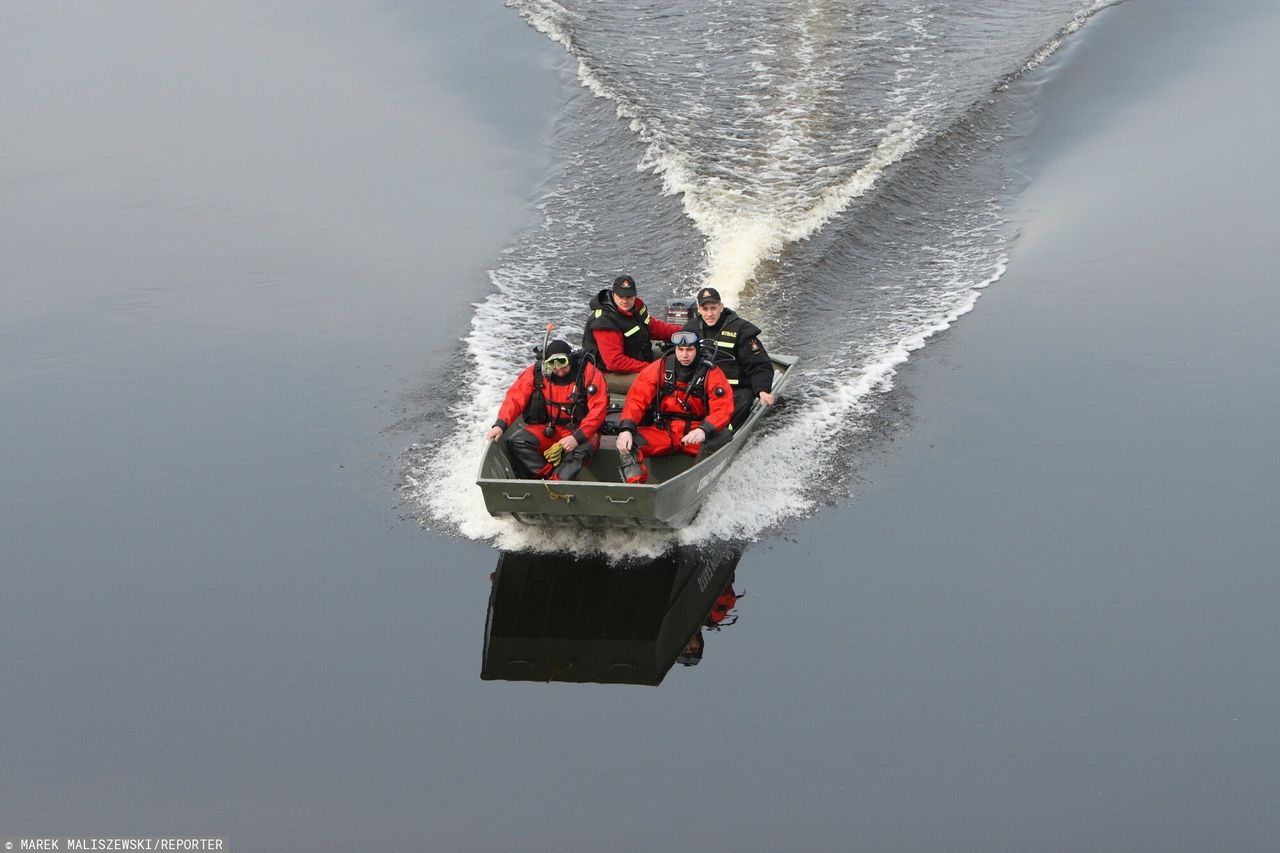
{"x":546,"y":339}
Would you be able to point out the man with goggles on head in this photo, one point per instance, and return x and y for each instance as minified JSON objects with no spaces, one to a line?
{"x":739,"y":352}
{"x":620,"y":331}
{"x":676,"y":404}
{"x":563,"y":403}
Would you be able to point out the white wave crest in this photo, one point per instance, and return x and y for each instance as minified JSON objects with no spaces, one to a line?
{"x":741,"y":234}
{"x":738,"y":242}
{"x":792,"y":458}
{"x":1078,"y":20}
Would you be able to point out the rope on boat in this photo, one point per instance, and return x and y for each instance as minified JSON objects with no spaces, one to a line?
{"x":557,"y":496}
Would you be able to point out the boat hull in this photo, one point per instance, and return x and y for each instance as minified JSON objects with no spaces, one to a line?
{"x":600,"y":499}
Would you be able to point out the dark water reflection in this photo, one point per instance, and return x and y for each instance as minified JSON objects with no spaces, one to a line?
{"x":562,"y":617}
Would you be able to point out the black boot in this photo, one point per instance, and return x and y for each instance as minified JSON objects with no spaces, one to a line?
{"x":571,"y":466}
{"x":630,"y":469}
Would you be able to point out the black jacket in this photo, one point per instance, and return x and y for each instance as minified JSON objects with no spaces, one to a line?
{"x":739,"y":352}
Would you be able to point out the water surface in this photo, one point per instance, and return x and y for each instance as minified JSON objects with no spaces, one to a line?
{"x":1025,"y":603}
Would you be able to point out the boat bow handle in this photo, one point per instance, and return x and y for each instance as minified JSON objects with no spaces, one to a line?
{"x":512,"y":497}
{"x":614,"y":500}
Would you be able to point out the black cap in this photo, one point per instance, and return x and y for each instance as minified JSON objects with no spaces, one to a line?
{"x":708,"y":294}
{"x":557,"y":347}
{"x":624,"y":285}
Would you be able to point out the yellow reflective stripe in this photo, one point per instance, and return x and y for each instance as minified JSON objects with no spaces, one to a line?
{"x":631,"y":331}
{"x":646,"y":319}
{"x":729,"y":344}
{"x":733,"y":382}
{"x":599,"y":312}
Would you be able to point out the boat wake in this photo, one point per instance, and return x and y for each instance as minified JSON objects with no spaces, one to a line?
{"x":843,"y":170}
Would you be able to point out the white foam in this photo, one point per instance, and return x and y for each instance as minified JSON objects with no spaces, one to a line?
{"x":739,"y":242}
{"x":791,"y":458}
{"x":740,"y":234}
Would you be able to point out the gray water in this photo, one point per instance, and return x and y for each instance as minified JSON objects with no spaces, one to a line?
{"x":1031,"y":606}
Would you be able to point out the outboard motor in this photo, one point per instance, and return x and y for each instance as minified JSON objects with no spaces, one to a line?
{"x":680,"y":311}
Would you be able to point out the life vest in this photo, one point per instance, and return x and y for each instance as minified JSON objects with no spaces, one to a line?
{"x":636,"y":342}
{"x":731,"y":330}
{"x":682,"y":393}
{"x":541,"y":410}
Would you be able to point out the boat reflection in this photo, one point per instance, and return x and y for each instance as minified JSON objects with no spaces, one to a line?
{"x":558,"y":617}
